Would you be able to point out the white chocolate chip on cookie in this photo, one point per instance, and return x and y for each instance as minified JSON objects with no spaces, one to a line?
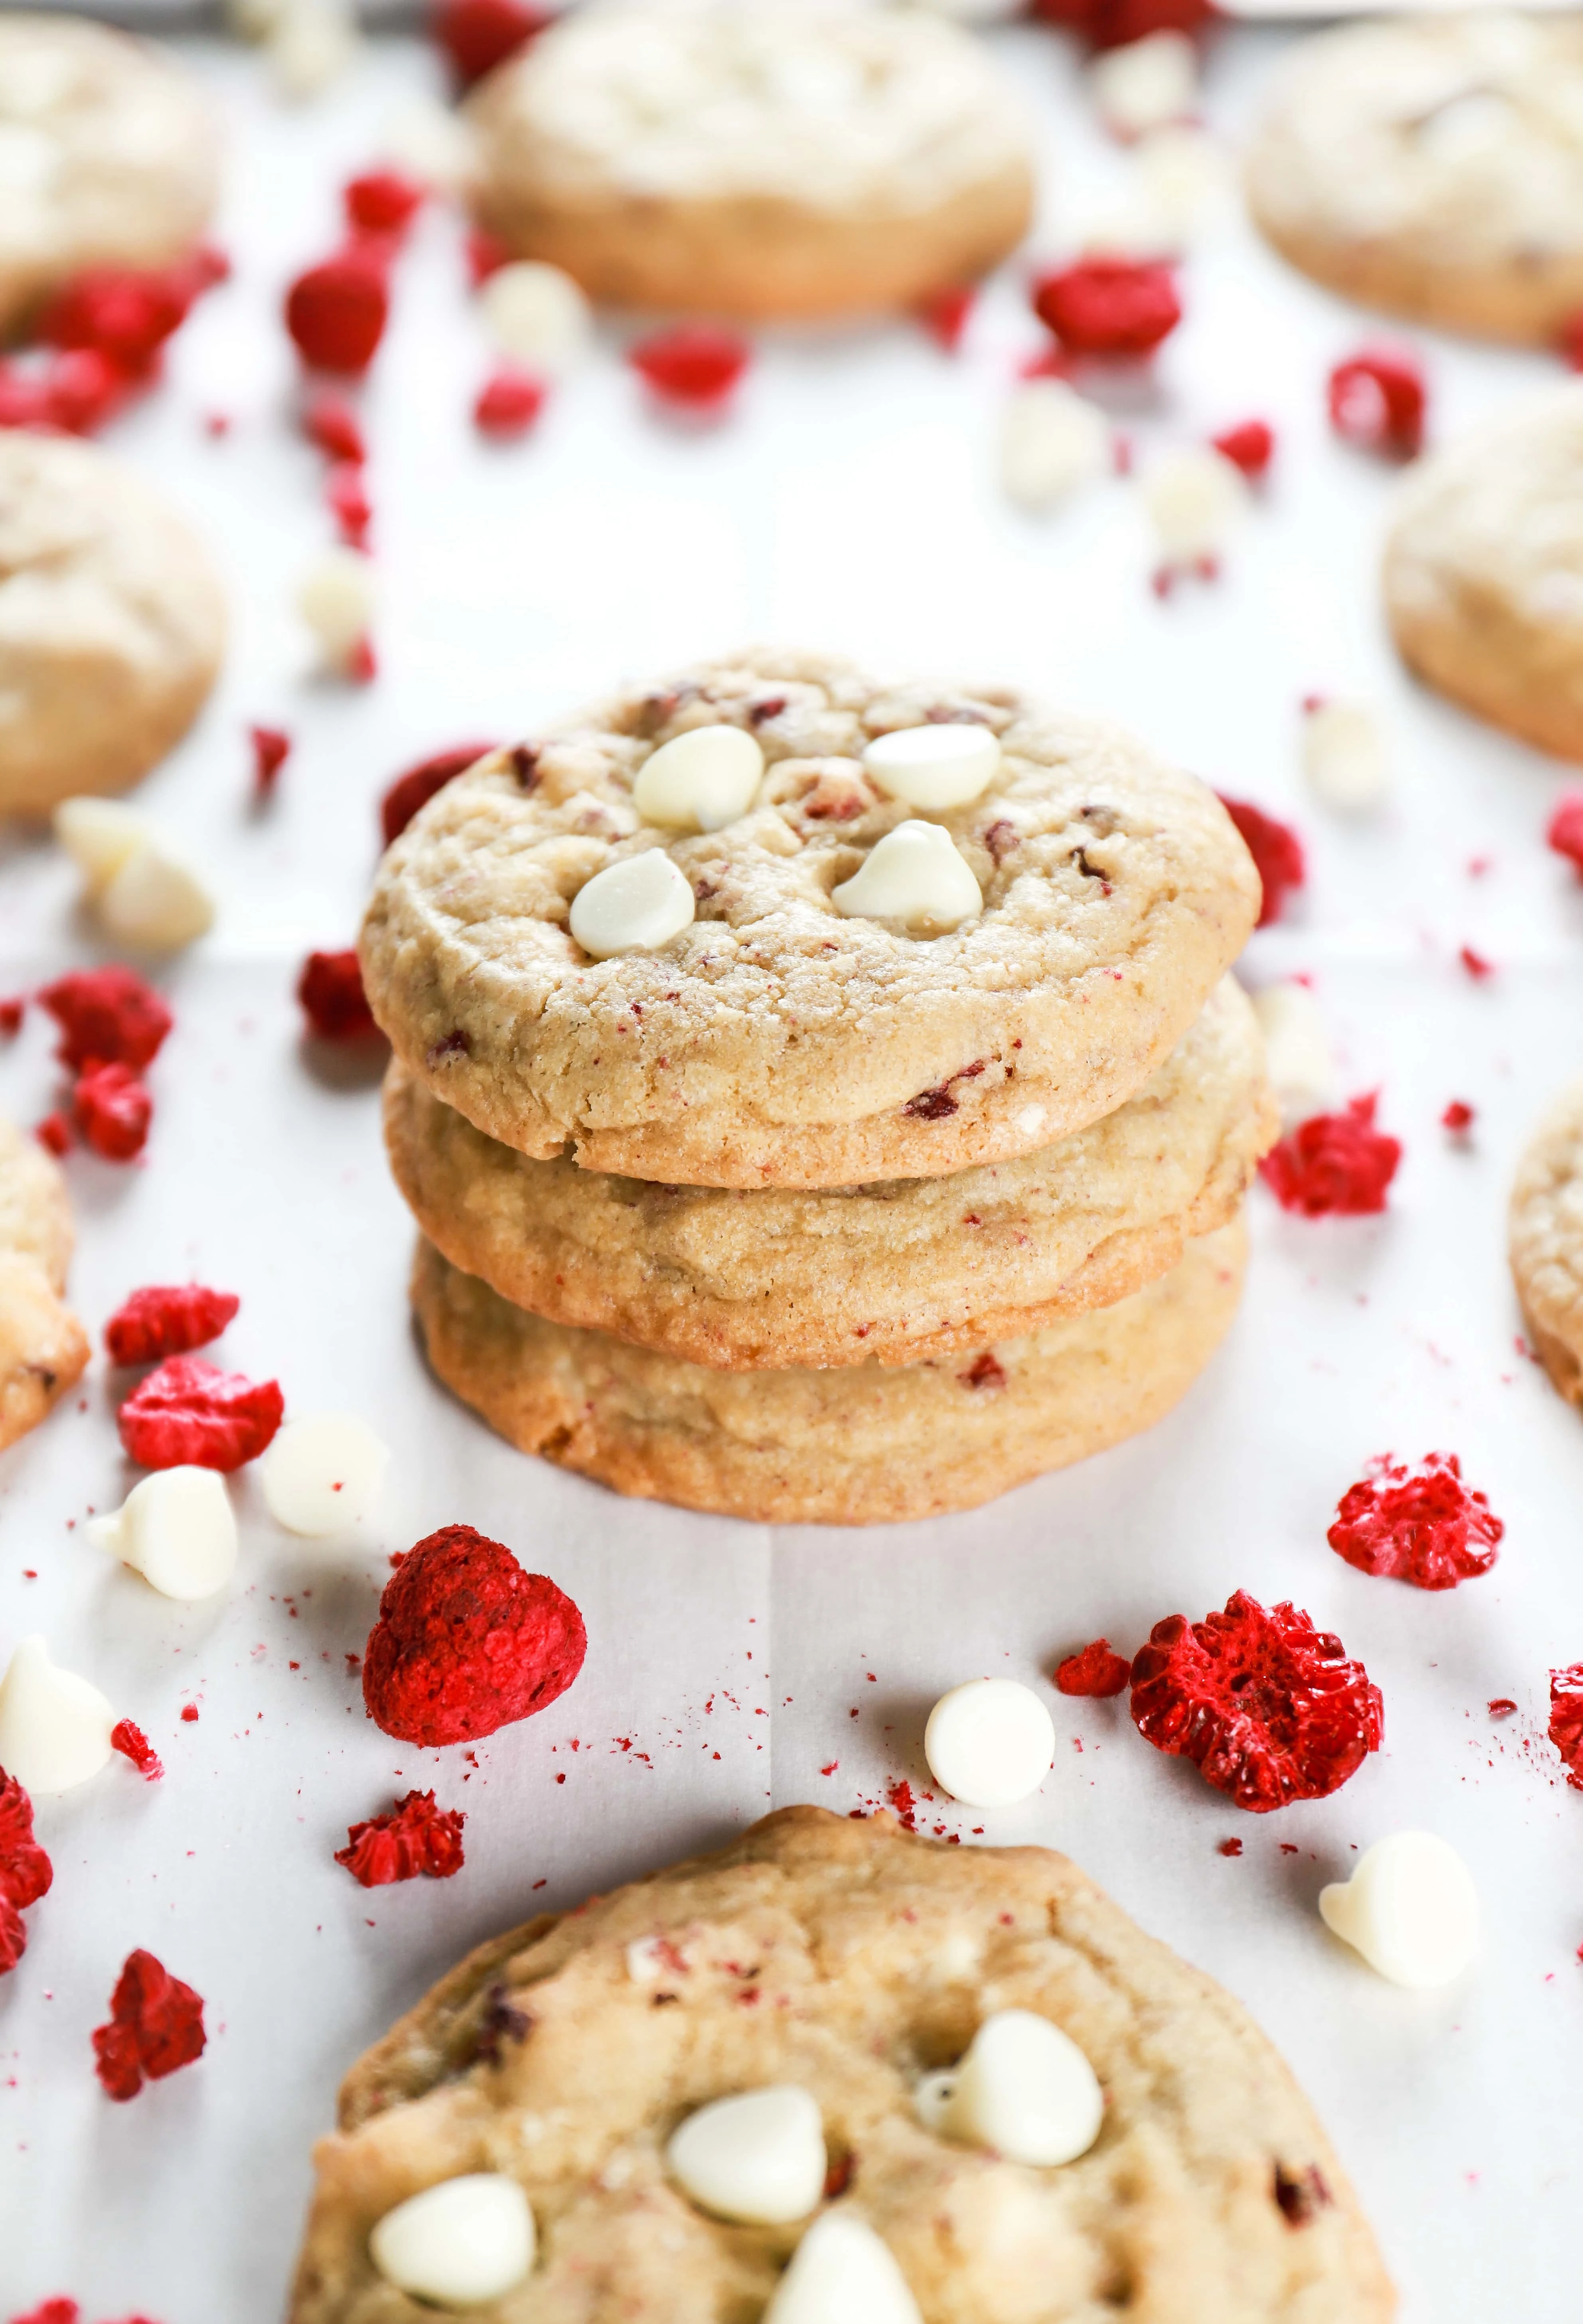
{"x":463,"y":2244}
{"x":842,"y":2273}
{"x":54,"y":1727}
{"x":1024,"y":2089}
{"x":915,"y":874}
{"x":634,"y":905}
{"x":176,"y":1530}
{"x":1410,"y":1908}
{"x":759,"y":2158}
{"x":702,"y":780}
{"x":942,"y":766}
{"x":989,"y":1742}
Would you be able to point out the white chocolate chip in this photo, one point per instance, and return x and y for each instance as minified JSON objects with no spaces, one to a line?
{"x":634,"y":905}
{"x":842,"y":2273}
{"x":323,"y":1475}
{"x":1024,"y":2089}
{"x":700,"y":780}
{"x":759,"y":2158}
{"x":155,"y":900}
{"x":310,"y":45}
{"x":336,"y":599}
{"x":1183,"y":180}
{"x":99,"y":834}
{"x":1298,"y":1056}
{"x":176,"y":1530}
{"x":915,"y":875}
{"x":942,"y":766}
{"x":461,"y":2245}
{"x":1051,"y":440}
{"x":1410,"y":1908}
{"x":1345,"y":758}
{"x":1030,"y":1121}
{"x":1194,"y":498}
{"x":54,"y":1727}
{"x":989,"y":1742}
{"x":537,"y":315}
{"x":1146,"y":84}
{"x":429,"y":141}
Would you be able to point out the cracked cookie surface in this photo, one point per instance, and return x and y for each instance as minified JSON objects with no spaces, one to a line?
{"x":43,"y":1349}
{"x":1545,"y":1231}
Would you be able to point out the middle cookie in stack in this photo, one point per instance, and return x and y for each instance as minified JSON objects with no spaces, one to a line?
{"x":909,"y":1111}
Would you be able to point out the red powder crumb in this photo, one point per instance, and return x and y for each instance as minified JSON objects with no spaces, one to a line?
{"x":477,"y":35}
{"x":1334,"y":1165}
{"x":1428,"y":1528}
{"x":133,"y":1744}
{"x":692,"y":365}
{"x":418,"y":786}
{"x":329,"y":422}
{"x":108,"y":1016}
{"x":25,"y":1871}
{"x":112,"y":1111}
{"x":190,"y":1713}
{"x":904,"y":1806}
{"x":507,"y":404}
{"x":1566,"y":1720}
{"x":985,"y":1370}
{"x":411,"y":1838}
{"x":1117,"y":309}
{"x":156,"y":2025}
{"x":1564,"y":832}
{"x":1269,"y":1709}
{"x":1475,"y":962}
{"x":1377,"y":399}
{"x":1276,"y":851}
{"x":383,"y":201}
{"x":337,"y":311}
{"x":1501,"y":1706}
{"x":271,"y":750}
{"x":1229,"y":1847}
{"x":167,"y":1319}
{"x":467,"y":1641}
{"x":1097,"y":1670}
{"x":190,"y":1412}
{"x":330,"y":990}
{"x":347,"y":497}
{"x":944,"y":315}
{"x":1457,"y":1118}
{"x":12,"y":1013}
{"x":831,"y":1769}
{"x":1250,"y":445}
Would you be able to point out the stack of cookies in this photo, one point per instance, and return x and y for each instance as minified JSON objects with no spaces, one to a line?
{"x":821,"y":1101}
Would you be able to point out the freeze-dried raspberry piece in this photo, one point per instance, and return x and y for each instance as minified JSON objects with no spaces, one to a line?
{"x":133,"y":1744}
{"x":347,"y":496}
{"x":1276,"y":851}
{"x":693,"y":365}
{"x":1377,"y":399}
{"x":1268,"y":1709}
{"x":156,"y":2025}
{"x":54,"y":1134}
{"x":1097,"y":1670}
{"x":167,"y":1319}
{"x":190,"y":1412}
{"x":477,"y":35}
{"x":112,"y":1109}
{"x":12,"y":1012}
{"x":337,"y":311}
{"x":126,"y":314}
{"x":107,"y":1014}
{"x":1250,"y":445}
{"x":1120,"y":309}
{"x":1566,"y":1720}
{"x":1564,"y":830}
{"x":509,"y":401}
{"x":330,"y":990}
{"x":418,"y":786}
{"x":486,"y":254}
{"x":1428,"y":1528}
{"x":1334,"y":1165}
{"x":271,"y":750}
{"x":1475,"y":962}
{"x":82,"y":389}
{"x":944,"y":315}
{"x":53,"y":2312}
{"x":25,"y":1871}
{"x":467,"y":1641}
{"x":329,"y":422}
{"x":411,"y":1838}
{"x":1116,"y":24}
{"x":383,"y":201}
{"x":1457,"y":1118}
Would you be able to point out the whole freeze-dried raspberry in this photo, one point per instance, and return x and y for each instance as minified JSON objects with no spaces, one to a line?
{"x":25,"y":1871}
{"x":107,"y":1014}
{"x":1426,"y":1528}
{"x":1117,"y":309}
{"x":133,"y":1744}
{"x":418,"y":786}
{"x":112,"y":1111}
{"x":1097,"y":1670}
{"x":190,"y":1412}
{"x":271,"y":750}
{"x":1334,"y":1165}
{"x":411,"y":1838}
{"x":167,"y":1319}
{"x":477,"y":35}
{"x":1276,"y":851}
{"x":1268,"y":1709}
{"x":1566,"y":1720}
{"x":1250,"y":445}
{"x":509,"y":401}
{"x":1377,"y":399}
{"x":156,"y":2025}
{"x":1564,"y":830}
{"x":467,"y":1641}
{"x":330,"y":990}
{"x":383,"y":201}
{"x":329,"y":422}
{"x":347,"y":497}
{"x":337,"y":311}
{"x":692,"y":365}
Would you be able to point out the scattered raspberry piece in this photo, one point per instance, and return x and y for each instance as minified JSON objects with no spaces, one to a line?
{"x":509,"y":401}
{"x":1428,"y":1528}
{"x":383,"y":201}
{"x":1268,"y":1709}
{"x":477,"y":35}
{"x":1276,"y":851}
{"x":486,"y":254}
{"x":124,"y":315}
{"x":156,"y":2025}
{"x":190,"y":1713}
{"x":1229,"y":1847}
{"x":1377,"y":399}
{"x":467,"y":1641}
{"x":1334,"y":1165}
{"x":330,"y":990}
{"x":362,"y":664}
{"x":1501,"y":1706}
{"x":1475,"y":962}
{"x":54,"y":1134}
{"x":1564,"y":832}
{"x":1457,"y":1118}
{"x":337,"y":311}
{"x":693,"y":365}
{"x":52,"y":2311}
{"x":133,"y":1744}
{"x":271,"y":750}
{"x":113,"y":1109}
{"x":1120,"y":309}
{"x":25,"y":1871}
{"x":107,"y":1014}
{"x":419,"y":785}
{"x":329,"y":422}
{"x":1115,"y":23}
{"x":1097,"y":1670}
{"x":1250,"y":445}
{"x":411,"y":1838}
{"x":189,"y":1411}
{"x":167,"y":1319}
{"x":1566,"y":1720}
{"x":12,"y":1013}
{"x":347,"y":496}
{"x":944,"y":315}
{"x":82,"y":390}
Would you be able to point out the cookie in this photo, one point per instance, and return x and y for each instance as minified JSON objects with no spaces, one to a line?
{"x":1434,"y":166}
{"x":108,"y":157}
{"x":766,"y":163}
{"x":859,"y":1445}
{"x":43,"y":1349}
{"x":777,"y":1039}
{"x":1545,"y":1230}
{"x":112,"y":622}
{"x":567,"y":2052}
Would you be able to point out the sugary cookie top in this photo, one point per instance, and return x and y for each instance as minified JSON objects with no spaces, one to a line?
{"x":1499,"y":515}
{"x":35,"y":1217}
{"x":1546,"y":1232}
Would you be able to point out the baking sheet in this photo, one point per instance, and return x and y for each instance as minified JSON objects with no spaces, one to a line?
{"x":850,"y":503}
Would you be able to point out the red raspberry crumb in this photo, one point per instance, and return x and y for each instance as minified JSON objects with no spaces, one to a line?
{"x":1475,"y":962}
{"x":337,"y":311}
{"x":1114,"y":23}
{"x":1276,"y":851}
{"x":53,"y":2312}
{"x":1457,"y":1118}
{"x":1268,"y":1709}
{"x":347,"y":497}
{"x":362,"y":664}
{"x":329,"y":422}
{"x":486,"y":254}
{"x":1501,"y":1706}
{"x":985,"y":1370}
{"x":1229,"y":1847}
{"x":82,"y":390}
{"x":693,"y":365}
{"x":156,"y":2025}
{"x":1250,"y":445}
{"x":383,"y":201}
{"x":944,"y":314}
{"x":1564,"y":832}
{"x":1430,"y":1529}
{"x":25,"y":1871}
{"x":133,"y":1744}
{"x":1570,"y":341}
{"x":1334,"y":1165}
{"x":509,"y":401}
{"x":123,"y":315}
{"x":107,"y":1014}
{"x":467,"y":1641}
{"x":190,"y":1412}
{"x":1097,"y":1670}
{"x":411,"y":1838}
{"x":902,"y":1805}
{"x":1377,"y":400}
{"x":190,"y":1713}
{"x":477,"y":35}
{"x":330,"y":990}
{"x":54,"y":1134}
{"x":271,"y":750}
{"x":167,"y":1319}
{"x":419,"y":785}
{"x":1566,"y":1720}
{"x":12,"y":1013}
{"x":113,"y":1109}
{"x":1119,"y":308}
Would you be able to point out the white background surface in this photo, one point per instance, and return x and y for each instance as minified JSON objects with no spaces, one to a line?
{"x":850,"y":502}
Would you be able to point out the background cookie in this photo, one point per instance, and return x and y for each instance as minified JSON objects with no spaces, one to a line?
{"x":782,"y":161}
{"x":43,"y":1349}
{"x":108,"y":157}
{"x":1484,"y":571}
{"x":1434,"y":166}
{"x":1546,"y":1242}
{"x":112,"y":622}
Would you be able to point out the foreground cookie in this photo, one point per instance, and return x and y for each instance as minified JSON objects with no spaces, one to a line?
{"x":847,"y":1964}
{"x":110,"y":157}
{"x":1434,"y":166}
{"x":112,"y":623}
{"x":1546,"y":1242}
{"x":771,"y":162}
{"x":42,"y":1346}
{"x":857,"y":1445}
{"x":788,"y":1024}
{"x":1484,"y":571}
